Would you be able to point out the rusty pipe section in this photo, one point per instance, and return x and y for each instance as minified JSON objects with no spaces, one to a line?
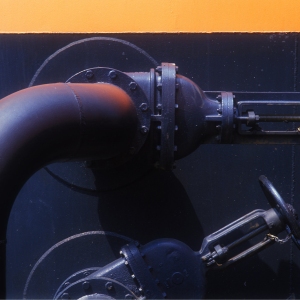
{"x":56,"y":122}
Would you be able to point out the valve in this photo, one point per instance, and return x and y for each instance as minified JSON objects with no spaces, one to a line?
{"x":218,"y":249}
{"x":175,"y":116}
{"x":167,"y":268}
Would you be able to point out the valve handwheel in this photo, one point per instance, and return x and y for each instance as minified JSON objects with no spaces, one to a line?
{"x":285,"y":210}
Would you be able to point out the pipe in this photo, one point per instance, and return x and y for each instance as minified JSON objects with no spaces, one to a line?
{"x":57,"y":122}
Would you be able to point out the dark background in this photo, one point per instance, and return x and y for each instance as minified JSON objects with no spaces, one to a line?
{"x":209,"y":189}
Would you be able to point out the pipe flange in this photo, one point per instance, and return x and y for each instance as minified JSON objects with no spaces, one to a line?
{"x":141,"y":272}
{"x":135,"y":92}
{"x":227,"y":117}
{"x":167,"y":88}
{"x":94,"y":287}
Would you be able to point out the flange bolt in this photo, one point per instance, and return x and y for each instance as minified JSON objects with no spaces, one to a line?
{"x":133,"y":85}
{"x":112,"y":74}
{"x":89,"y":74}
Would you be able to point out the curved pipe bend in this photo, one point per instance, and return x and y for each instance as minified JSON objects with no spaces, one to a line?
{"x":59,"y":121}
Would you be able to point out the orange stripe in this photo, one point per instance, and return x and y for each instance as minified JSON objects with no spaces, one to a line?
{"x":170,"y":16}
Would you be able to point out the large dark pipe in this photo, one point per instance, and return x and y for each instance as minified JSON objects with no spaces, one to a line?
{"x":56,"y":122}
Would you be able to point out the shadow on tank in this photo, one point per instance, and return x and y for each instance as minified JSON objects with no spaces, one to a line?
{"x":154,"y":206}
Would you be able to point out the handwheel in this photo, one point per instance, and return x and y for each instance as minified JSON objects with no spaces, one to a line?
{"x":285,"y":210}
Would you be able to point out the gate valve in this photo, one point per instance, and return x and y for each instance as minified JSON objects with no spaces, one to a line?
{"x":168,"y":268}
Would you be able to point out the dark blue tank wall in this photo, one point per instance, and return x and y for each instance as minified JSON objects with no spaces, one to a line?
{"x":208,"y":189}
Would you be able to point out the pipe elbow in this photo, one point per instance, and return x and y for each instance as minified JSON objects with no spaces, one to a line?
{"x":65,"y":121}
{"x":57,"y":122}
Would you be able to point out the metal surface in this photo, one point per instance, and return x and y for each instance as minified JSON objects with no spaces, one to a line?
{"x":255,"y":63}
